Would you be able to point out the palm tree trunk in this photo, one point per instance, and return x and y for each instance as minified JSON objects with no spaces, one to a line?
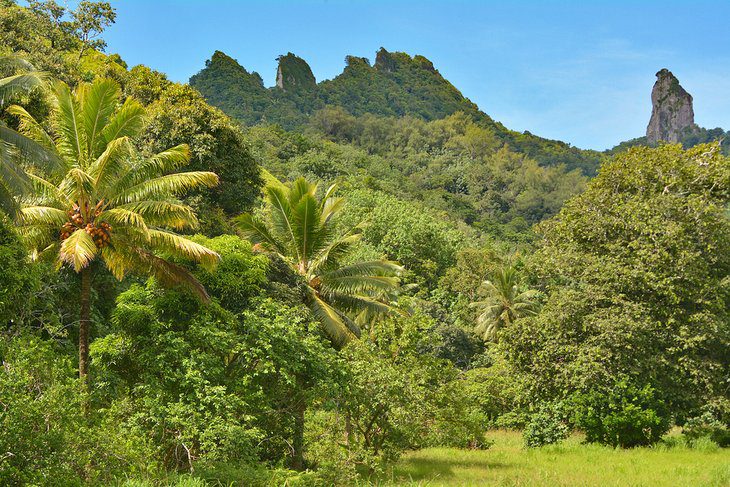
{"x":84,"y":325}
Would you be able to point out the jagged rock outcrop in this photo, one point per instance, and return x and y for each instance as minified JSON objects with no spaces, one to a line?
{"x":294,"y":73}
{"x":394,"y":85}
{"x":672,"y":115}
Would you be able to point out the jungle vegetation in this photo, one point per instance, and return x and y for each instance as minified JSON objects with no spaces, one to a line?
{"x":196,"y":295}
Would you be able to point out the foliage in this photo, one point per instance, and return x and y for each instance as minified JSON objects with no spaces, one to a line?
{"x":706,"y":425}
{"x":209,"y":386}
{"x":636,"y":273}
{"x":505,"y":303}
{"x":455,"y":344}
{"x":397,"y":398}
{"x":396,"y":85}
{"x":625,"y":415}
{"x":495,"y":390}
{"x":180,"y":115}
{"x":546,"y":426}
{"x":17,"y":277}
{"x":419,"y":239}
{"x":302,"y":230}
{"x":43,"y":438}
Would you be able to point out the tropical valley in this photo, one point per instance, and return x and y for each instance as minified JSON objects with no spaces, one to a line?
{"x":364,"y":280}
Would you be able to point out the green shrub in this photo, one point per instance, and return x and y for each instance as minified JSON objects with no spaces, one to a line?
{"x":545,"y":427}
{"x":625,"y":416}
{"x":324,"y":438}
{"x":706,"y":426}
{"x":43,"y":434}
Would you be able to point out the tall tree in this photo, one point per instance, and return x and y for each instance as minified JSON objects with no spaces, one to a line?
{"x":505,"y":303}
{"x":301,"y":229}
{"x":106,"y":201}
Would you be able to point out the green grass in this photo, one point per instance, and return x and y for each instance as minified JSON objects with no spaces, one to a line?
{"x":507,"y":463}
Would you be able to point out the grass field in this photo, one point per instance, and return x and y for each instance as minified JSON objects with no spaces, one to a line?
{"x":572,"y":463}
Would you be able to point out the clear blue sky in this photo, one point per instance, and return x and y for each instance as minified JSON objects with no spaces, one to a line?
{"x":581,"y":72}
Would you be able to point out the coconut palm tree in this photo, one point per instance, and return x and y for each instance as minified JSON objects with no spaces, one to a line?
{"x":505,"y":303}
{"x":105,"y":201}
{"x":301,"y":229}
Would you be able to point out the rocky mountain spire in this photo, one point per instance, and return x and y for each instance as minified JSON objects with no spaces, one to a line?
{"x":672,"y":114}
{"x":294,"y":73}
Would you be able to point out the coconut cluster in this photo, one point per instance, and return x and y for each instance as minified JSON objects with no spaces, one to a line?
{"x":101,"y":232}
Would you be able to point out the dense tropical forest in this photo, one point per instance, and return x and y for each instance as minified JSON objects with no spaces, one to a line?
{"x":313,"y":284}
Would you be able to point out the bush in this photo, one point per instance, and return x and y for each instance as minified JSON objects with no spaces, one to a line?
{"x":546,"y":427}
{"x":706,"y":426}
{"x":323,"y":439}
{"x":16,"y":278}
{"x":625,"y":416}
{"x":43,"y":435}
{"x":494,"y":388}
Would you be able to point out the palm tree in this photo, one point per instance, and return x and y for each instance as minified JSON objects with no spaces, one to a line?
{"x":105,"y":201}
{"x":301,"y":229}
{"x":504,"y":304}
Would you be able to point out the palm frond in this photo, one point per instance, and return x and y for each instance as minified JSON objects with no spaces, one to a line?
{"x":178,"y":245}
{"x":331,"y":207}
{"x":31,"y":152}
{"x":16,"y":62}
{"x":111,"y":163}
{"x":78,"y":250}
{"x":30,"y":127}
{"x":340,"y":329}
{"x":358,"y":284}
{"x":369,"y":268}
{"x":98,"y":104}
{"x":299,"y":188}
{"x":77,"y":185}
{"x":67,"y":121}
{"x":305,"y":226}
{"x":8,"y":203}
{"x":167,"y":160}
{"x":255,"y":230}
{"x":12,"y":176}
{"x":124,"y":216}
{"x":168,"y":184}
{"x":281,"y":217}
{"x":20,"y":83}
{"x":43,"y":190}
{"x":355,"y":303}
{"x":329,"y":257}
{"x":165,"y":213}
{"x":42,"y":215}
{"x":328,"y":194}
{"x":125,"y":257}
{"x":126,"y":122}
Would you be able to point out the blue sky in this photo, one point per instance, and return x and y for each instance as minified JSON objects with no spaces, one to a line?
{"x":581,"y":72}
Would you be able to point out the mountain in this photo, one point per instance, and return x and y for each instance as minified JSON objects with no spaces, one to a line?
{"x":673,"y":120}
{"x":396,"y":85}
{"x":672,"y":114}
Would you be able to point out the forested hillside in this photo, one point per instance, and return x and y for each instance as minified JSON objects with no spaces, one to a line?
{"x":299,"y":285}
{"x":396,"y":85}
